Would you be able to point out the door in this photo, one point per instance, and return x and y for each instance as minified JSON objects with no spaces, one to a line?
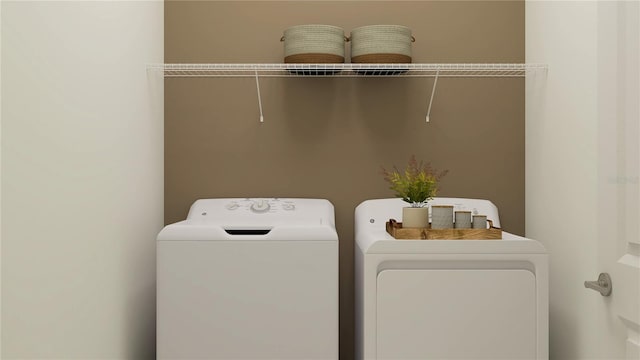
{"x":618,"y":315}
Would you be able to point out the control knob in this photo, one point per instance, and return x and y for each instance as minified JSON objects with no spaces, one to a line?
{"x":260,"y":206}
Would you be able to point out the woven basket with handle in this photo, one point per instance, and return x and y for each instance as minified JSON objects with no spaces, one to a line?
{"x":314,"y":44}
{"x":381,"y":44}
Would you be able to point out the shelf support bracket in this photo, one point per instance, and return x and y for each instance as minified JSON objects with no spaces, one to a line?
{"x":259,"y":97}
{"x":433,"y":91}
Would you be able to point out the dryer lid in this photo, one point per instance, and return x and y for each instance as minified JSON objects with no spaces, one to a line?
{"x":371,"y":236}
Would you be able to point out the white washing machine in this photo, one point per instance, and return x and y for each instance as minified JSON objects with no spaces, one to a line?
{"x":447,"y":299}
{"x":249,"y":279}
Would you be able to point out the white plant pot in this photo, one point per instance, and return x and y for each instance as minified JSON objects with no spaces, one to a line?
{"x":415,"y":217}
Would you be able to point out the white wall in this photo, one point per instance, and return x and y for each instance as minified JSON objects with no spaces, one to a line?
{"x":561,"y":164}
{"x":82,"y":178}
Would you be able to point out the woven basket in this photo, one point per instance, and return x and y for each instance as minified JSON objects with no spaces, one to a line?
{"x":381,"y":44}
{"x":314,"y":44}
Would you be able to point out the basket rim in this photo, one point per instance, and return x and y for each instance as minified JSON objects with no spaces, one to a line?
{"x":381,"y":26}
{"x":302,"y":26}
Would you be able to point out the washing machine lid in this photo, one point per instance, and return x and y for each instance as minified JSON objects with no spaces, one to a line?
{"x":372,"y":238}
{"x":255,"y":219}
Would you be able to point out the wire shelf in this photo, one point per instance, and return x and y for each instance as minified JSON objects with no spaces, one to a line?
{"x":347,"y":70}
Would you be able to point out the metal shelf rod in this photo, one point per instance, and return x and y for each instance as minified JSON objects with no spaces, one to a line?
{"x":259,"y":98}
{"x":433,"y":91}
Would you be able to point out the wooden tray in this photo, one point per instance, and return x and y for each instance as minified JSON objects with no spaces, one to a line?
{"x":395,"y":229}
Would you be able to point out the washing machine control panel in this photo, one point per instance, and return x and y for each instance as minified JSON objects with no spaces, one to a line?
{"x":261,"y":206}
{"x":261,"y":213}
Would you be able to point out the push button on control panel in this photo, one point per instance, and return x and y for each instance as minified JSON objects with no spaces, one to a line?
{"x":288,"y":206}
{"x":232,"y":206}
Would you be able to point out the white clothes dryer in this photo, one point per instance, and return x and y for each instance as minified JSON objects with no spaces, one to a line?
{"x":249,"y":279}
{"x":447,"y":299}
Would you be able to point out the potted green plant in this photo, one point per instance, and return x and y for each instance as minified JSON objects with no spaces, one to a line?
{"x":416,"y":185}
